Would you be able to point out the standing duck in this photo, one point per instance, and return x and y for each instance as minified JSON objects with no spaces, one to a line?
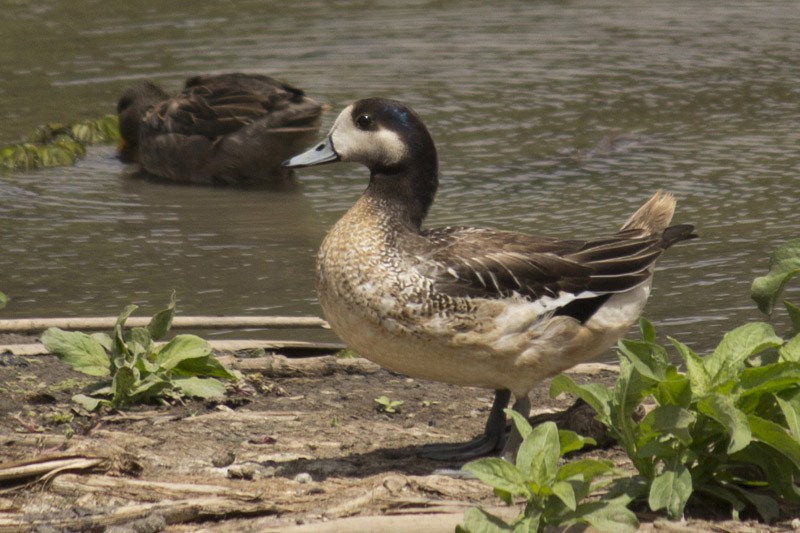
{"x":223,"y":129}
{"x":463,"y":305}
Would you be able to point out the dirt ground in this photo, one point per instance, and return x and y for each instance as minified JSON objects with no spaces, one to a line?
{"x":305,"y":453}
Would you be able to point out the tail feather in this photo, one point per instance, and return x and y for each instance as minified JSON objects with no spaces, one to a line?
{"x":653,"y":219}
{"x":654,"y":216}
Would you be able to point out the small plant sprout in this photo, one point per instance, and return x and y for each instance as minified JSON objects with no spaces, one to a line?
{"x":554,"y":493}
{"x":385,"y":405}
{"x":139,"y":370}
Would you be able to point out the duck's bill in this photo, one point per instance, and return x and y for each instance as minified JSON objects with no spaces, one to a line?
{"x":322,"y":153}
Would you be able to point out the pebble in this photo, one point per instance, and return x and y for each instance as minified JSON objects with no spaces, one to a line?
{"x":243,"y":471}
{"x":223,"y":459}
{"x":303,"y":477}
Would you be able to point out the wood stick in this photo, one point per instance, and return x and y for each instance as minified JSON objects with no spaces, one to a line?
{"x":174,"y":512}
{"x":279,"y":366}
{"x":23,"y":325}
{"x":414,"y":523}
{"x":142,"y":489}
{"x":36,"y":348}
{"x":45,"y":466}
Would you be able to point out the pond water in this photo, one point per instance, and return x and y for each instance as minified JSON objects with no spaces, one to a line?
{"x":550,"y":117}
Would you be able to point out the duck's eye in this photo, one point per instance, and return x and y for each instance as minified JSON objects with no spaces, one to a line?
{"x":364,"y":122}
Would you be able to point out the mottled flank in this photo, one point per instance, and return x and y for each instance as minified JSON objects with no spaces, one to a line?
{"x":463,"y":305}
{"x":222,"y":129}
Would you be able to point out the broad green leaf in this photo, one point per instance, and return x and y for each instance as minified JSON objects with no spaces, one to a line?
{"x":104,"y":340}
{"x":181,"y":348}
{"x":529,"y":524}
{"x":505,"y":497}
{"x":775,"y":467}
{"x":791,"y":413}
{"x":723,"y":494}
{"x":605,"y":517}
{"x":123,"y":384}
{"x":520,"y":422}
{"x":569,"y":441}
{"x":205,"y":366}
{"x":650,"y":446}
{"x":87,"y":402}
{"x":80,"y":351}
{"x":597,"y":396}
{"x":205,"y":388}
{"x":584,"y":469}
{"x":769,"y":378}
{"x":149,"y":388}
{"x":625,"y":490}
{"x":723,"y":409}
{"x":645,"y":357}
{"x":766,"y":505}
{"x":647,"y":330}
{"x":669,"y":419}
{"x":479,"y":521}
{"x":141,"y":337}
{"x":537,"y":458}
{"x":670,"y":490}
{"x":631,"y":388}
{"x":139,"y":346}
{"x":3,"y":300}
{"x":791,"y":350}
{"x":120,"y":348}
{"x":676,"y":389}
{"x":794,"y":316}
{"x":161,"y":322}
{"x":698,"y":375}
{"x":776,"y":437}
{"x":498,"y":473}
{"x":783,"y":265}
{"x":564,"y":492}
{"x":736,"y":346}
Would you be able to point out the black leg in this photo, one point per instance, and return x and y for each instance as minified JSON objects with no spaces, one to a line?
{"x":492,"y":440}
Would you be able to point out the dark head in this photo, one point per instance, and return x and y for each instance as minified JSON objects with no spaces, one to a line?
{"x":132,"y":105}
{"x":390,"y":139}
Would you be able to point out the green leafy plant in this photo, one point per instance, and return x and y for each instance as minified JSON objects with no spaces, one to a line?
{"x":3,"y":300}
{"x":386,"y":405}
{"x":784,"y":264}
{"x":58,"y":144}
{"x":140,"y":370}
{"x":554,"y":494}
{"x":728,"y":428}
{"x":96,"y":131}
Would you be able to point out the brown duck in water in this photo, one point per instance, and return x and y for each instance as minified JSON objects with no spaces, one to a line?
{"x":470,"y":306}
{"x":221,"y":129}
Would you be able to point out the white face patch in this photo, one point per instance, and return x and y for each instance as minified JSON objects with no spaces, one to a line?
{"x":382,"y":146}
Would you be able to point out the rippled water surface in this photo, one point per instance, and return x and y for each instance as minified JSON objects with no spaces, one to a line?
{"x":550,"y":117}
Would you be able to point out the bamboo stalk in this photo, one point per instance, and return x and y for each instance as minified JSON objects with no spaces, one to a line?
{"x":23,"y":325}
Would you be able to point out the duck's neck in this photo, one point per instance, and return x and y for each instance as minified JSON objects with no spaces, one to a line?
{"x":406,"y":190}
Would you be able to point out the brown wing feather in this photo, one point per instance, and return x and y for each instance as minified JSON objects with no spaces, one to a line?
{"x":215,"y":106}
{"x":487,"y":263}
